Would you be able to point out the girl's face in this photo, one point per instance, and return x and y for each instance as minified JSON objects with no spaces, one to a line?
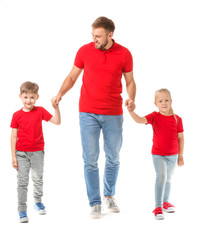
{"x":163,"y":102}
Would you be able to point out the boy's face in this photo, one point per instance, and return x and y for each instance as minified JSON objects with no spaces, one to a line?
{"x":28,"y":99}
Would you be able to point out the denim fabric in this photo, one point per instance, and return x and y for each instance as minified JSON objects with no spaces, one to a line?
{"x":91,"y":126}
{"x":164,"y":167}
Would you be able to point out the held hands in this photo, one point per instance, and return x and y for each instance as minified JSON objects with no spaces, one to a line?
{"x":55,"y":101}
{"x":130,"y":105}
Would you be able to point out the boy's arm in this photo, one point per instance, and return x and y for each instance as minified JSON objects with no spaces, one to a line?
{"x":13,"y":147}
{"x":137,"y":118}
{"x":181,"y":147}
{"x":56,"y":119}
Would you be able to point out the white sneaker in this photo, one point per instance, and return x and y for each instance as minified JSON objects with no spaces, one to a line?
{"x":96,"y":212}
{"x":111,"y":204}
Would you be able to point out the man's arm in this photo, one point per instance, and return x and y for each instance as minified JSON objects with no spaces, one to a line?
{"x":131,"y":90}
{"x":67,"y":84}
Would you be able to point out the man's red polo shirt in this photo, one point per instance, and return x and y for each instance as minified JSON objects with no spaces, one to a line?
{"x":101,"y":89}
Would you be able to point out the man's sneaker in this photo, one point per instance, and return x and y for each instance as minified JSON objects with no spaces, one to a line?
{"x":111,"y":204}
{"x":96,"y":211}
{"x":40,"y":208}
{"x":23,"y":217}
{"x":158,"y":213}
{"x":168,"y":207}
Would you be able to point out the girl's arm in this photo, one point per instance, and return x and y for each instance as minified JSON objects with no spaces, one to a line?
{"x":181,"y":147}
{"x":137,"y":118}
{"x":56,"y":119}
{"x":13,"y":147}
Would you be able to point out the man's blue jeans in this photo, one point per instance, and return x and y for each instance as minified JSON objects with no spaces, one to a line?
{"x":91,"y":125}
{"x":164,"y":167}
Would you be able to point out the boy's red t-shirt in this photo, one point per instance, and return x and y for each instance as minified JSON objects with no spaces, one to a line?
{"x":165,"y":133}
{"x":29,"y":125}
{"x":101,"y":89}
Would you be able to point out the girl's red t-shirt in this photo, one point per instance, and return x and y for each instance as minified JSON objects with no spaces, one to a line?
{"x":165,"y":133}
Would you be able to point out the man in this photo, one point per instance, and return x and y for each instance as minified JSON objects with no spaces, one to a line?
{"x":100,"y":106}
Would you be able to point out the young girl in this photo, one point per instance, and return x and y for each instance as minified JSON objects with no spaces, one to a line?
{"x":168,"y":142}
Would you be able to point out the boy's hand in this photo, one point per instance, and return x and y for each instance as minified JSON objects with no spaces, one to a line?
{"x":14,"y":163}
{"x":180,"y":161}
{"x":130,"y":105}
{"x":55,"y":101}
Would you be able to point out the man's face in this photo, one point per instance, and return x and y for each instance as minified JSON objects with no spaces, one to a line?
{"x":101,"y":38}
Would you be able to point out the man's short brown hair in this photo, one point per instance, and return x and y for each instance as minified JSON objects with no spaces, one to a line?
{"x":105,"y":23}
{"x":29,"y":87}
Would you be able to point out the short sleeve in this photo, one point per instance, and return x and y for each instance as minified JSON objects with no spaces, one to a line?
{"x":128,"y":63}
{"x":14,"y":123}
{"x":79,"y":62}
{"x":45,"y":114}
{"x":150,"y":118}
{"x":179,"y":125}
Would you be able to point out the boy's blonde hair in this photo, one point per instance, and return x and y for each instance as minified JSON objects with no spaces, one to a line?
{"x":29,"y":87}
{"x":166,"y":91}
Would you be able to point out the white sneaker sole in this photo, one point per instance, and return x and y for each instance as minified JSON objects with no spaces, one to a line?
{"x":169,"y":210}
{"x":159,"y":217}
{"x":41,"y":212}
{"x":24,"y":220}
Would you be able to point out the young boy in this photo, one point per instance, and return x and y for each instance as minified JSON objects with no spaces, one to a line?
{"x":27,"y":146}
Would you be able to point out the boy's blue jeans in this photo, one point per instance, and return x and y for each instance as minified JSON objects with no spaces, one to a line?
{"x":91,"y":125}
{"x":164,"y":167}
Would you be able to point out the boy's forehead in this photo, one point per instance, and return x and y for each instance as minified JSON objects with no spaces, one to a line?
{"x":29,"y":94}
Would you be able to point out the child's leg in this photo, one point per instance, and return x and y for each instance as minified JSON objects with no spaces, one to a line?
{"x":171,"y":162}
{"x":37,"y":164}
{"x":23,"y":179}
{"x":161,"y":177}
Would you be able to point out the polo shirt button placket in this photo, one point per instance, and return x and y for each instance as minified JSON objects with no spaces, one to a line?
{"x":104,"y":58}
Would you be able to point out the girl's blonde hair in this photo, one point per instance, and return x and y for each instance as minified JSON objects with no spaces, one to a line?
{"x":166,"y":91}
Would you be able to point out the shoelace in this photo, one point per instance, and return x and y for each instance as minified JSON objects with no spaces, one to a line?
{"x":158,"y":211}
{"x":40,"y":205}
{"x":112,"y":202}
{"x":23,"y":214}
{"x":167,"y":205}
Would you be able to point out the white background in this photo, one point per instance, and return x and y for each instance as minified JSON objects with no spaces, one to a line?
{"x":38,"y":42}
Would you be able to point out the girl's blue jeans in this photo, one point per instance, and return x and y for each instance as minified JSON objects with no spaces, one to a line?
{"x":91,"y":126}
{"x":164,"y":167}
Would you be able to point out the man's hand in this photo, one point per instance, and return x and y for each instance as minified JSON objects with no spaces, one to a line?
{"x":55,"y":101}
{"x":129,"y":103}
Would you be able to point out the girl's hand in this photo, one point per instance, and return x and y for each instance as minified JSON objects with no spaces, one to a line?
{"x":180,"y":161}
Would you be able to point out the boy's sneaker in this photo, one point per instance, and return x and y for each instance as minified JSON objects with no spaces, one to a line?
{"x":96,"y":212}
{"x":23,"y":217}
{"x":158,"y":213}
{"x":111,"y":204}
{"x":168,"y":207}
{"x":40,"y":208}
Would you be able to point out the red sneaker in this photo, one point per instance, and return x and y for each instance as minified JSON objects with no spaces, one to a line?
{"x":158,"y":213}
{"x":168,"y":207}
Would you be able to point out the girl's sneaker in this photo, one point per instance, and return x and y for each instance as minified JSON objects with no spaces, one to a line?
{"x":168,"y":207}
{"x":40,"y":208}
{"x":158,"y":213}
{"x":23,"y":217}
